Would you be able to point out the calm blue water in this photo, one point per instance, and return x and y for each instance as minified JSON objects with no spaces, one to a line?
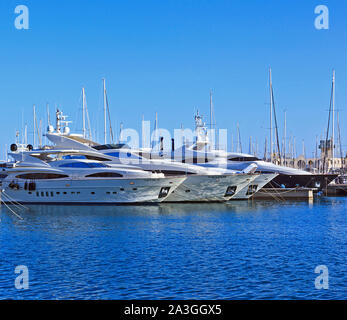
{"x":241,"y":250}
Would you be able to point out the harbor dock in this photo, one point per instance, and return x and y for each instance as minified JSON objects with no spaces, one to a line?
{"x":284,"y":193}
{"x":336,"y":190}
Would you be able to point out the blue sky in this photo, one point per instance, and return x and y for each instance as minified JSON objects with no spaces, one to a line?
{"x":165,"y":56}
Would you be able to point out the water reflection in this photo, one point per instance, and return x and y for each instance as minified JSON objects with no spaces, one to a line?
{"x":241,"y":249}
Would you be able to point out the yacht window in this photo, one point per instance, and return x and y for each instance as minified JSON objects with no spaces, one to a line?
{"x":83,"y":165}
{"x":46,"y":193}
{"x":111,"y":146}
{"x":104,"y":175}
{"x":123,"y":155}
{"x":37,"y":194}
{"x":241,"y":159}
{"x":69,"y":157}
{"x":175,"y":172}
{"x":230,"y":191}
{"x":42,"y":194}
{"x":88,"y":157}
{"x":33,"y":176}
{"x":164,"y":191}
{"x":252,"y":189}
{"x":97,"y":158}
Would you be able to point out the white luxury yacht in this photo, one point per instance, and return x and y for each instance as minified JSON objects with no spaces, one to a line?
{"x":202,"y":154}
{"x":201,"y":184}
{"x":41,"y":176}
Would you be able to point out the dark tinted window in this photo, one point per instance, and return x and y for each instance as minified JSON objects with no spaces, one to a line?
{"x":243,"y":159}
{"x":174,"y":172}
{"x":88,"y":157}
{"x":111,"y":146}
{"x":171,"y":172}
{"x":104,"y":175}
{"x":33,"y":176}
{"x":83,"y":165}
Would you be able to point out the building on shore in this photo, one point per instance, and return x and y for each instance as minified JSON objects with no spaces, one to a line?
{"x":325,"y":162}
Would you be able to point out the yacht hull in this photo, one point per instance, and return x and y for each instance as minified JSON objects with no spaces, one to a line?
{"x":98,"y":191}
{"x":209,"y":188}
{"x":319,"y":181}
{"x":250,"y":189}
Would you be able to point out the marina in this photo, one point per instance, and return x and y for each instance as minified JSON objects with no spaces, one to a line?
{"x":75,"y":169}
{"x":173,"y":150}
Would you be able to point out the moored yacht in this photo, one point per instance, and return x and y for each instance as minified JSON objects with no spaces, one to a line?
{"x":202,"y":154}
{"x":201,"y":184}
{"x":31,"y":180}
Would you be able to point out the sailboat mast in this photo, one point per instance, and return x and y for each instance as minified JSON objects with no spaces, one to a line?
{"x":339,"y":138}
{"x":48,"y":115}
{"x":285,"y":137}
{"x":156,"y":129}
{"x":105,"y":129}
{"x":271,"y":102}
{"x":333,"y":122}
{"x":211,"y":110}
{"x":83,"y":114}
{"x":239,"y":143}
{"x":25,"y":135}
{"x":34,"y":115}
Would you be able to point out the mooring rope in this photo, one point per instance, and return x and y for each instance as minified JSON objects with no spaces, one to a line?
{"x":14,"y":201}
{"x":13,"y":212}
